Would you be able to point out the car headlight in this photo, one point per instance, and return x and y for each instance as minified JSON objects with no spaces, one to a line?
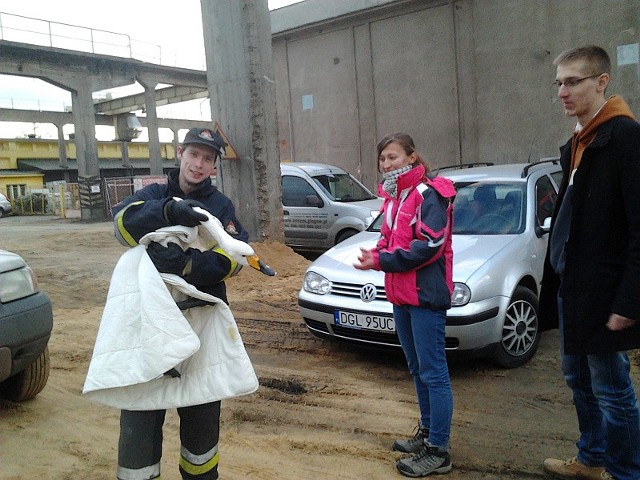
{"x":315,"y":283}
{"x":461,"y":295}
{"x":17,"y":284}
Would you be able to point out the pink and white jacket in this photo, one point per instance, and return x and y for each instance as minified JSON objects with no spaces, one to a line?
{"x":415,"y":250}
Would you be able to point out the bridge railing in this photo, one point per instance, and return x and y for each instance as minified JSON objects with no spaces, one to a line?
{"x":18,"y":28}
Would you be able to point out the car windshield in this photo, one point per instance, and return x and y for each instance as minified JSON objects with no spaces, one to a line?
{"x":342,"y":187}
{"x":482,"y":208}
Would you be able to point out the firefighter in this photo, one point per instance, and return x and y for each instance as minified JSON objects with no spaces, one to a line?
{"x":153,"y":207}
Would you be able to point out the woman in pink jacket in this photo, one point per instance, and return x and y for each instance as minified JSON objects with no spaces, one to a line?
{"x":415,"y":253}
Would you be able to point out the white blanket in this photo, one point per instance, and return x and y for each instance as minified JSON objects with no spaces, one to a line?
{"x":143,"y":334}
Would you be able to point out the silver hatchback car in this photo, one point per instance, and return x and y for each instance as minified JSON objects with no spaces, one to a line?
{"x":501,"y":223}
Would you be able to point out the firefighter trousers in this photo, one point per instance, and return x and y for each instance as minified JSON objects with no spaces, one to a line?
{"x":140,"y":444}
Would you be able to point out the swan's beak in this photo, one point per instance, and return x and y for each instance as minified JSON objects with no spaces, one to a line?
{"x":255,"y":262}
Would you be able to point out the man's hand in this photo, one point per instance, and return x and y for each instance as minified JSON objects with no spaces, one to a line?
{"x":618,"y":322}
{"x":181,"y":212}
{"x":169,"y":259}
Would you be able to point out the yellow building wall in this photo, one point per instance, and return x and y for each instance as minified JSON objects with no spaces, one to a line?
{"x":12,"y":150}
{"x":32,"y":180}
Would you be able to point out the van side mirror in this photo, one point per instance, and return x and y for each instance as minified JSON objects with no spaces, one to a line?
{"x":313,"y":201}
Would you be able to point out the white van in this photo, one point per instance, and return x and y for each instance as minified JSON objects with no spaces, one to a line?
{"x":323,"y":205}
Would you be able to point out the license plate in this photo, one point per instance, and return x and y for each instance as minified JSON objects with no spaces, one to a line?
{"x":364,"y":321}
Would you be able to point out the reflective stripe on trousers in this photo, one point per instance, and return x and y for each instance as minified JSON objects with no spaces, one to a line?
{"x":195,"y":466}
{"x":144,"y":473}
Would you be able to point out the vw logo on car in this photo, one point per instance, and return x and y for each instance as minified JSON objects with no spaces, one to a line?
{"x":368,"y":293}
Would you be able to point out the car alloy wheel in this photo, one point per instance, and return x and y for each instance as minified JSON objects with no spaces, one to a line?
{"x":520,"y":331}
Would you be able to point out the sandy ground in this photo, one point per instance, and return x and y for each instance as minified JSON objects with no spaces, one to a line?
{"x":323,"y":410}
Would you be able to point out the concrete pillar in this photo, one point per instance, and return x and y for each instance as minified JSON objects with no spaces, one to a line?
{"x":237,"y":35}
{"x":124,"y":148}
{"x":89,"y":183}
{"x":62,"y":147}
{"x":155,"y":158}
{"x":176,"y":144}
{"x":62,"y":151}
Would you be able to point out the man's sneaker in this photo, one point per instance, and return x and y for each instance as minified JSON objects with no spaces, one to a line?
{"x":573,"y":469}
{"x":413,"y":444}
{"x":427,"y":461}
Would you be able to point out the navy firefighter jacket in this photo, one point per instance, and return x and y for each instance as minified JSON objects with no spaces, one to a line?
{"x":143,"y":212}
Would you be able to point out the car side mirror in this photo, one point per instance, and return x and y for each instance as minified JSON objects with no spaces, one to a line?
{"x":545,"y":228}
{"x":313,"y":201}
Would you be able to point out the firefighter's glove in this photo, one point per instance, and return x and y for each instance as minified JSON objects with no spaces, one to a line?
{"x":181,"y":212}
{"x":170,"y":259}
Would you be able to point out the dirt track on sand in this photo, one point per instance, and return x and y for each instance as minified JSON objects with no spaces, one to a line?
{"x":323,"y":410}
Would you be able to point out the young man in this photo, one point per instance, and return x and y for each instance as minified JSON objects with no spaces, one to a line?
{"x":592,"y":272}
{"x":154,"y":207}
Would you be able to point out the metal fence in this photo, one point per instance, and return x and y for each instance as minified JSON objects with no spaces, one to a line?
{"x":62,"y":199}
{"x":117,"y":189}
{"x":18,"y":28}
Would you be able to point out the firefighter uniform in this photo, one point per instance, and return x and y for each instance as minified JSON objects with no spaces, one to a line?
{"x":140,"y":443}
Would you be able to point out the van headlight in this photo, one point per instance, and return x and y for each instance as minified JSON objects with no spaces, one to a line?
{"x":461,"y":295}
{"x":314,"y":283}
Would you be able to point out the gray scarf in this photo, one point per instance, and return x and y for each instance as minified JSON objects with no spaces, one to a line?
{"x":390,"y":184}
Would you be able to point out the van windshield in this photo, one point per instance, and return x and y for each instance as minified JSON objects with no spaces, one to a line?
{"x":343,"y":188}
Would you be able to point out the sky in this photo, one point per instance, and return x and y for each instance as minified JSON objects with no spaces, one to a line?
{"x":176,"y":27}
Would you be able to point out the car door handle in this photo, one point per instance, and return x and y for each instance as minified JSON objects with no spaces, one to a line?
{"x":285,"y":212}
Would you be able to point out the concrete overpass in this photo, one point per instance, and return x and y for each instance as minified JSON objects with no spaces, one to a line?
{"x":84,"y":73}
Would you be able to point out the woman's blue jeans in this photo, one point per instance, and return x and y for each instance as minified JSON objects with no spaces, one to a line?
{"x":421,"y":334}
{"x":607,"y":410}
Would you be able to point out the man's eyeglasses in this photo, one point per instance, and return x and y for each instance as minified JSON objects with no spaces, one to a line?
{"x":572,"y":81}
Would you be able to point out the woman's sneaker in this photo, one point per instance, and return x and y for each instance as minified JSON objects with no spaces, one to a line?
{"x":413,"y":444}
{"x":427,"y":461}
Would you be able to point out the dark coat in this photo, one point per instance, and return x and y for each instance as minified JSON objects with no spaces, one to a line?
{"x":602,"y":272}
{"x":143,"y":212}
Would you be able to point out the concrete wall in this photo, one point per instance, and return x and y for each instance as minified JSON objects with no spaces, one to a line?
{"x":470,"y":80}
